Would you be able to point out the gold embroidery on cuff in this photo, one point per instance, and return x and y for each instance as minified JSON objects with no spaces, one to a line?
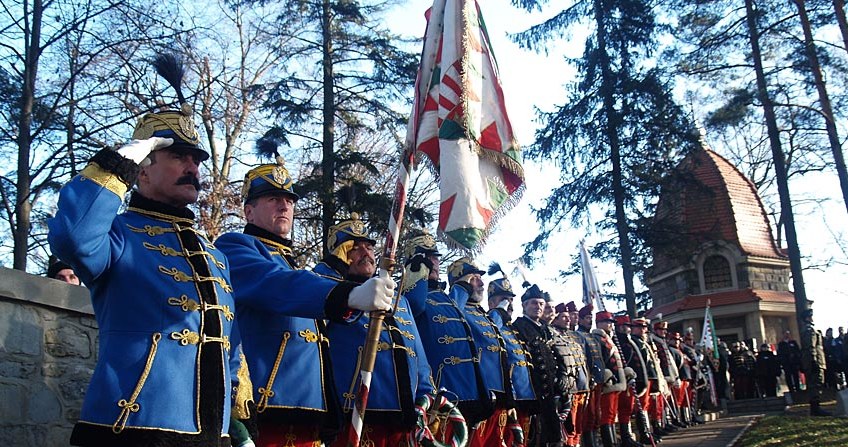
{"x":105,"y":179}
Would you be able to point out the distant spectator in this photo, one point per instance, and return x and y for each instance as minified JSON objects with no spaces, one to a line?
{"x":742,"y":366}
{"x":63,"y":272}
{"x":768,"y":370}
{"x":722,"y":388}
{"x":833,"y":354}
{"x":844,"y":337}
{"x":789,"y":356}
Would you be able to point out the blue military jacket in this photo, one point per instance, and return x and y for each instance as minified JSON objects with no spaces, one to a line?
{"x":162,"y":300}
{"x":286,"y":354}
{"x":401,"y":372}
{"x":451,"y":349}
{"x":518,"y":361}
{"x":494,"y":363}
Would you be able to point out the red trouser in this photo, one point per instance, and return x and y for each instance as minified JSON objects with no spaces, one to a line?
{"x":491,"y":431}
{"x":626,"y":406}
{"x":593,"y":410}
{"x":655,"y":406}
{"x":279,"y":435}
{"x":376,"y":436}
{"x":578,"y":417}
{"x":681,"y":394}
{"x":609,"y":407}
{"x":645,"y":399}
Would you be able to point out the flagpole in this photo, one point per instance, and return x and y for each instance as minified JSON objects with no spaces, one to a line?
{"x":376,"y":318}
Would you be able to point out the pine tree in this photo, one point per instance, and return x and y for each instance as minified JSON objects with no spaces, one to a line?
{"x":618,"y":132}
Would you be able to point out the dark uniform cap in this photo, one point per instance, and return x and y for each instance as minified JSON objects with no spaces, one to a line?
{"x":570,"y":307}
{"x":421,"y":241}
{"x":57,"y":267}
{"x":351,"y":230}
{"x":560,"y":308}
{"x":500,"y":286}
{"x":176,"y":124}
{"x":268,"y":179}
{"x":586,"y":310}
{"x":533,"y":292}
{"x":462,"y":267}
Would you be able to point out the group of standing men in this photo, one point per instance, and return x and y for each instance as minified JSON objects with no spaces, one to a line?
{"x":213,"y":344}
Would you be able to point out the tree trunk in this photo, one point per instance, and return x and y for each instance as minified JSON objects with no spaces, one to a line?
{"x":23,"y":206}
{"x":824,"y":99}
{"x":328,"y":165}
{"x":611,"y":131}
{"x":779,"y":163}
{"x":839,"y":9}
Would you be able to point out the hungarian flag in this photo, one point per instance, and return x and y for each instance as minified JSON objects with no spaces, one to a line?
{"x":459,"y":123}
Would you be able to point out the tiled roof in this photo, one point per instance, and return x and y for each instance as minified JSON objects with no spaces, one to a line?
{"x":722,"y":299}
{"x":733,"y":212}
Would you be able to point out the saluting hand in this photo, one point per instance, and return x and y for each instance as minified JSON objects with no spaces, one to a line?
{"x":138,"y":150}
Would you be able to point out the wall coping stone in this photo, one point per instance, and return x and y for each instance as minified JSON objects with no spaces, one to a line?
{"x":21,"y":286}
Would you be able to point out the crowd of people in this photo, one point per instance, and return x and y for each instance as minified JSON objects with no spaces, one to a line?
{"x":758,"y":375}
{"x":233,"y":343}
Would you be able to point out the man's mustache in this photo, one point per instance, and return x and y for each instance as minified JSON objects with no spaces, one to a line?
{"x":189,"y":180}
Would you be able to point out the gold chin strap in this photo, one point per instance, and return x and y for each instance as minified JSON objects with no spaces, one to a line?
{"x":342,"y":250}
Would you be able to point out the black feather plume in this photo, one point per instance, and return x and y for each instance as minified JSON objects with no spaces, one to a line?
{"x":419,"y":215}
{"x":494,"y":267}
{"x":526,"y":284}
{"x":267,"y":147}
{"x":170,"y":67}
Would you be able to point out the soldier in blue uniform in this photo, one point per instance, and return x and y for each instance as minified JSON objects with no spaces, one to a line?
{"x":494,"y":361}
{"x":281,"y":310}
{"x":161,"y":291}
{"x":401,"y":376}
{"x":500,"y":297}
{"x":452,"y":351}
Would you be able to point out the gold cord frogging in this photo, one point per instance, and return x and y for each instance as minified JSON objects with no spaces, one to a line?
{"x":131,"y":406}
{"x":266,"y":391}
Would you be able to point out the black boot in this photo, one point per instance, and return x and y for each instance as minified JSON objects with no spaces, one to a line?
{"x":607,"y":435}
{"x":588,"y":439}
{"x":657,"y":431}
{"x":643,"y":425}
{"x":626,"y":436}
{"x":815,"y":410}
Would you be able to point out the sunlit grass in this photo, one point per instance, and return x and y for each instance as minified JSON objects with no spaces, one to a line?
{"x":796,"y":430}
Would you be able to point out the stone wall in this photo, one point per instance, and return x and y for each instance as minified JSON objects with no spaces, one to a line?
{"x":48,"y":346}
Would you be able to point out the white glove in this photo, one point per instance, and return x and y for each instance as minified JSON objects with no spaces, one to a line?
{"x":504,"y":304}
{"x":138,"y":150}
{"x":374,"y":294}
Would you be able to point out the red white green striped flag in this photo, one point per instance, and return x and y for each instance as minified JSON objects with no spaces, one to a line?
{"x":459,"y":123}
